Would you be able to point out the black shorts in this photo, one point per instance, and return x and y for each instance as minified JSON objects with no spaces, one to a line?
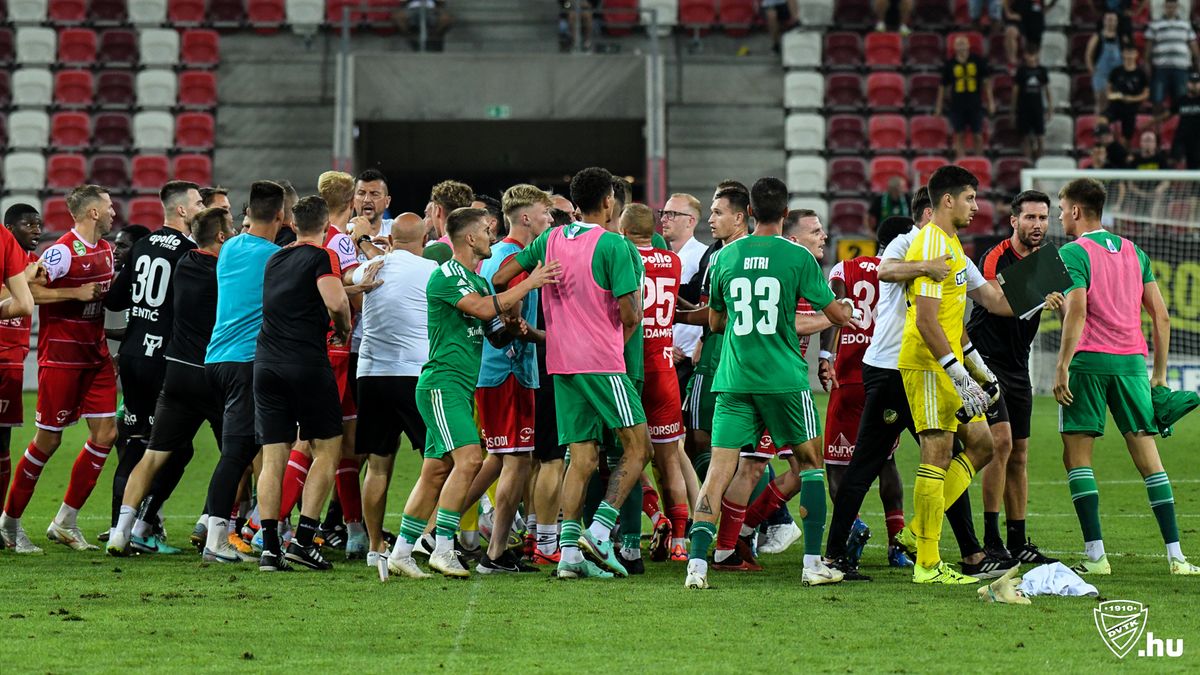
{"x":546,"y":447}
{"x":966,"y":118}
{"x":1032,"y":27}
{"x":186,"y":402}
{"x":1016,"y":400}
{"x":288,"y":396}
{"x":1031,"y":120}
{"x":886,"y":413}
{"x":141,"y":382}
{"x":782,"y":12}
{"x":387,"y":407}
{"x":233,"y":384}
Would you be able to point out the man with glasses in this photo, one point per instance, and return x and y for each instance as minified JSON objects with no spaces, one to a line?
{"x":678,"y":219}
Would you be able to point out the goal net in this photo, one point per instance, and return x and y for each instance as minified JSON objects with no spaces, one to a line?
{"x":1160,"y":212}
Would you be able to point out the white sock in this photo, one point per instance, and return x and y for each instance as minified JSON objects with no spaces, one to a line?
{"x":599,"y":531}
{"x":401,"y":550}
{"x":812,"y":561}
{"x":1094,"y":549}
{"x":356,"y":528}
{"x":67,"y":516}
{"x":697,"y":566}
{"x":217,"y":533}
{"x":9,"y":524}
{"x":1174,"y":552}
{"x":631,"y":553}
{"x":572,"y":554}
{"x":470,"y":539}
{"x":125,"y":520}
{"x":531,"y":523}
{"x":444,"y":544}
{"x":202,"y":520}
{"x":678,"y":541}
{"x":746,"y":531}
{"x":721,"y":554}
{"x":547,"y":538}
{"x":141,"y":528}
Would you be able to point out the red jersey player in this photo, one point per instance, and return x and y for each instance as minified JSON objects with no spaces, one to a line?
{"x":75,"y":372}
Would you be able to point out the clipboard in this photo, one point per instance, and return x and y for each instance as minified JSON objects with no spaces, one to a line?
{"x":1027,"y":282}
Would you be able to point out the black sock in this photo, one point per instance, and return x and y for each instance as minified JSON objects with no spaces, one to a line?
{"x":333,"y":516}
{"x":306,"y":530}
{"x":991,"y":529}
{"x":270,"y":530}
{"x":1016,"y":534}
{"x":239,"y":524}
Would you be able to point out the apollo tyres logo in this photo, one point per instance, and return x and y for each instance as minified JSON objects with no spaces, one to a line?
{"x":1121,"y":624}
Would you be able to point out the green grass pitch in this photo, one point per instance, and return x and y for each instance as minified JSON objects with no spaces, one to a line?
{"x":81,"y":612}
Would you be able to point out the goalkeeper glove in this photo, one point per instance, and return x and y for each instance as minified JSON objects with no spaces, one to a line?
{"x":981,"y":373}
{"x":975,"y":401}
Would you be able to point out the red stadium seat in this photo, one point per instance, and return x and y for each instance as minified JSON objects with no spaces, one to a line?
{"x":981,"y":167}
{"x":846,"y":133}
{"x":888,"y":132}
{"x":620,"y":16}
{"x":844,"y":90}
{"x":64,"y":172}
{"x":118,"y":47}
{"x":884,"y":50}
{"x":1077,"y":51}
{"x":848,"y":174}
{"x":1007,"y":173}
{"x":111,"y":171}
{"x":1085,"y":131}
{"x":737,"y":16}
{"x":885,"y":90}
{"x":996,"y":53}
{"x":1084,"y":14}
{"x":70,"y":130}
{"x":853,"y":14}
{"x":56,"y":217}
{"x":182,"y":12}
{"x":5,"y":89}
{"x":974,"y":38}
{"x":923,"y":168}
{"x":200,"y":48}
{"x":929,"y":133}
{"x":984,"y":221}
{"x":197,"y":89}
{"x":962,"y":12}
{"x":147,"y":211}
{"x":1002,"y":89}
{"x":333,"y":11}
{"x":77,"y":46}
{"x":848,"y":215}
{"x":150,"y":172}
{"x":925,"y":49}
{"x":6,"y":46}
{"x":1083,"y":96}
{"x":115,"y":88}
{"x":260,"y":12}
{"x":73,"y":88}
{"x":843,"y":49}
{"x":1003,"y":136}
{"x":697,"y":14}
{"x":109,"y":11}
{"x":923,"y":90}
{"x":113,"y":130}
{"x":67,"y":11}
{"x":1166,"y":136}
{"x":883,"y":169}
{"x":931,"y":13}
{"x":194,"y":130}
{"x":194,"y":168}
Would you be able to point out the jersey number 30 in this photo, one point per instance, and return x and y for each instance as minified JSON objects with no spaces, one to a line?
{"x":761,"y":300}
{"x":153,"y":275}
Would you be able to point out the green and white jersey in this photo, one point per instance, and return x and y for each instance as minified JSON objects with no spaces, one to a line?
{"x":455,"y":338}
{"x":758,"y":281}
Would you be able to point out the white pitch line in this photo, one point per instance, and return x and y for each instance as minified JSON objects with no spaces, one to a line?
{"x":468,"y":614}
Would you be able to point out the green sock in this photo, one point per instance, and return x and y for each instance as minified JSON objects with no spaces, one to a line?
{"x":606,"y":515}
{"x":763,"y":482}
{"x":631,"y":517}
{"x":569,"y":534}
{"x":1162,"y":502}
{"x":1082,"y":482}
{"x":447,"y":523}
{"x":701,"y":465}
{"x":702,"y":535}
{"x":812,"y":500}
{"x":412,"y":527}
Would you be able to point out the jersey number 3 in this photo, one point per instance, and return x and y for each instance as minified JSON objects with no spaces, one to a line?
{"x":150,"y":284}
{"x":761,"y":299}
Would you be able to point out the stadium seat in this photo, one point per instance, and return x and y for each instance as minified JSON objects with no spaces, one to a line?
{"x":67,"y":11}
{"x":1166,"y":135}
{"x":817,"y":205}
{"x":333,"y":12}
{"x":111,"y":171}
{"x":806,"y":174}
{"x":1058,"y":16}
{"x":1055,"y":162}
{"x":7,"y":51}
{"x":815,"y":12}
{"x":112,"y":130}
{"x":3,"y":133}
{"x":803,"y":90}
{"x":32,"y":88}
{"x":36,"y":45}
{"x":64,"y":172}
{"x":5,"y":89}
{"x":70,"y":130}
{"x":109,"y":11}
{"x":197,"y":89}
{"x":159,"y":47}
{"x":1006,"y":173}
{"x":260,"y":12}
{"x":150,"y":172}
{"x":1003,"y":136}
{"x":846,"y":133}
{"x":975,"y":39}
{"x":1054,"y":50}
{"x":667,"y":12}
{"x":73,"y":88}
{"x":885,"y":90}
{"x":148,"y":12}
{"x":925,"y":49}
{"x":185,"y":12}
{"x":884,"y":50}
{"x":117,"y":47}
{"x":882,"y":169}
{"x":1077,"y":51}
{"x":1060,"y":91}
{"x":620,"y":16}
{"x":153,"y":130}
{"x":844,"y":90}
{"x":804,"y":133}
{"x":981,"y":167}
{"x":156,"y":89}
{"x":737,"y":16}
{"x":24,"y":171}
{"x":114,"y":89}
{"x":194,"y":168}
{"x":923,"y":168}
{"x":1002,"y":89}
{"x":1083,"y":14}
{"x":195,"y":130}
{"x":303,"y":14}
{"x":931,"y":13}
{"x":929,"y":133}
{"x":923,"y":91}
{"x":147,"y":211}
{"x":848,"y":215}
{"x":853,"y":14}
{"x":888,"y":132}
{"x":848,"y":175}
{"x":984,"y":221}
{"x":55,"y":215}
{"x":843,"y":50}
{"x":27,"y":11}
{"x":1060,"y":135}
{"x":800,"y":49}
{"x":1083,"y":97}
{"x":200,"y":48}
{"x":28,"y":129}
{"x":77,"y":46}
{"x":1085,"y":131}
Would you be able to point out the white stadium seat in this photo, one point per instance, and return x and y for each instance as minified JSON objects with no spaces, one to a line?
{"x":305,"y":15}
{"x":147,"y":12}
{"x":1055,"y":162}
{"x":27,"y":11}
{"x":11,"y":200}
{"x":153,"y":130}
{"x":28,"y":129}
{"x":801,"y":50}
{"x":25,"y":171}
{"x":1060,"y":90}
{"x":32,"y":88}
{"x":159,"y":47}
{"x":1060,"y":134}
{"x":805,"y":132}
{"x":814,"y":203}
{"x":806,"y":174}
{"x":1054,"y":49}
{"x":156,"y":88}
{"x":816,"y":12}
{"x":36,"y":45}
{"x":668,"y":14}
{"x":803,"y":90}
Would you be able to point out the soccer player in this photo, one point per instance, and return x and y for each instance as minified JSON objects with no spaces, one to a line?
{"x":229,"y":360}
{"x":1004,"y":343}
{"x":75,"y":371}
{"x":186,"y":400}
{"x":17,"y":271}
{"x":590,"y":317}
{"x":762,"y":379}
{"x":459,"y":303}
{"x":445,"y":197}
{"x":215,"y":197}
{"x":1102,"y":364}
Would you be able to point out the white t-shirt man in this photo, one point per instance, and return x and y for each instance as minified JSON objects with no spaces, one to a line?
{"x":395,"y":340}
{"x":687,"y":337}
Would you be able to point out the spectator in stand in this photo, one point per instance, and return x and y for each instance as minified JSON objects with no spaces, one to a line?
{"x":1125,"y":10}
{"x":893,"y":202}
{"x":1128,"y":88}
{"x":780,"y":14}
{"x":1024,"y":19}
{"x":1103,"y":54}
{"x":437,"y":22}
{"x":566,"y":24}
{"x":1115,"y":151}
{"x":966,"y":76}
{"x":1096,"y":159}
{"x":1171,"y":49}
{"x":1032,"y":105}
{"x":1149,"y":157}
{"x":893,"y":12}
{"x":1186,"y":147}
{"x":994,"y":12}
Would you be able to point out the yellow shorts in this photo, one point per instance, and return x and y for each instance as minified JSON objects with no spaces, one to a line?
{"x":932,"y":399}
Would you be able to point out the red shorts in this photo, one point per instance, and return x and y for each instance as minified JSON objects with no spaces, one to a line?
{"x":664,"y":412}
{"x":66,"y":394}
{"x":341,"y":374}
{"x":12,"y":410}
{"x":506,"y":419}
{"x":766,"y":448}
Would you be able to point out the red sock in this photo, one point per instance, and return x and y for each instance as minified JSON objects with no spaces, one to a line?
{"x":678,"y":515}
{"x":293,"y":482}
{"x":5,"y":473}
{"x":348,"y":490}
{"x":29,"y":469}
{"x":84,"y":473}
{"x":895,"y":523}
{"x":767,"y":503}
{"x":650,"y":505}
{"x":234,"y":513}
{"x":732,"y":517}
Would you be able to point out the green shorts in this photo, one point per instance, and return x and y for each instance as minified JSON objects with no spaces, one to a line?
{"x":449,"y":416}
{"x":1124,"y":390}
{"x":700,"y":402}
{"x":588,"y":403}
{"x":740,"y":419}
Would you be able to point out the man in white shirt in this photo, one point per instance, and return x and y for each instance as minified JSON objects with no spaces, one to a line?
{"x":679,"y":217}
